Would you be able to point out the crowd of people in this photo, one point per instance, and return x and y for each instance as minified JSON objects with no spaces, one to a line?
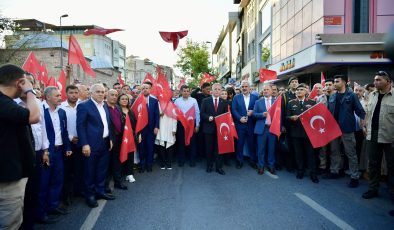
{"x":54,"y":150}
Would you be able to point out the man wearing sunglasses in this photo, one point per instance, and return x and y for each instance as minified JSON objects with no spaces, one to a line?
{"x":380,"y":133}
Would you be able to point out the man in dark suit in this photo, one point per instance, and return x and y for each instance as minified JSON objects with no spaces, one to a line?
{"x":94,"y":133}
{"x":242,"y":110}
{"x":302,"y":146}
{"x":266,"y":141}
{"x":150,"y":131}
{"x":210,"y":108}
{"x":51,"y":181}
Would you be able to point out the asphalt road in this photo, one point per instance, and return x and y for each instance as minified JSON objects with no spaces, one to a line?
{"x":190,"y":198}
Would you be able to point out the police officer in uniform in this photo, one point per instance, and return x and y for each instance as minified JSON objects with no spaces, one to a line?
{"x":302,"y":146}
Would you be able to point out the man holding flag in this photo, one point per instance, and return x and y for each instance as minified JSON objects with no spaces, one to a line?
{"x":210,"y":108}
{"x":301,"y":143}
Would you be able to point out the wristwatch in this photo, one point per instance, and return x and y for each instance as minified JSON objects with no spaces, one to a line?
{"x":31,"y":90}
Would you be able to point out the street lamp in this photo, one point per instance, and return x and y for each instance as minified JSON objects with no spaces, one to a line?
{"x":61,"y":40}
{"x":211,"y":54}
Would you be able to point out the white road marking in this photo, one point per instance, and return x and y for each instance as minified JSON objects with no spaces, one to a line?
{"x":324,"y":212}
{"x":93,"y":216}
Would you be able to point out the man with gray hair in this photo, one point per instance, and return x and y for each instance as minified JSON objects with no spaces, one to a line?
{"x":95,"y":136}
{"x":242,"y":110}
{"x":52,"y":172}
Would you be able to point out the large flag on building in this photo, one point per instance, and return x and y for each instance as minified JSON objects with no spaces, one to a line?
{"x":32,"y":66}
{"x":128,"y":143}
{"x":140,"y":111}
{"x":100,"y":31}
{"x":224,"y":134}
{"x":190,"y":117}
{"x":275,"y":112}
{"x":75,"y":56}
{"x":320,"y":125}
{"x":61,"y":84}
{"x":267,"y":75}
{"x":206,"y":78}
{"x":173,"y":37}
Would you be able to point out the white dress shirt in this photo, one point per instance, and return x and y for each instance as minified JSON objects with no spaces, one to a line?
{"x":247,"y":100}
{"x":103,"y":115}
{"x":71,"y":113}
{"x":56,"y":123}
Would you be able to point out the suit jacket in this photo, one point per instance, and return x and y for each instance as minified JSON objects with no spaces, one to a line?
{"x":259,"y":109}
{"x":90,"y":128}
{"x":153,"y":114}
{"x":51,"y":131}
{"x":239,"y":110}
{"x":207,"y":110}
{"x":294,"y":107}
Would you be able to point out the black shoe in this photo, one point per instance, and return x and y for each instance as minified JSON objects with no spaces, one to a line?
{"x":353,"y":183}
{"x":58,"y":211}
{"x":331,"y":176}
{"x":272,"y":171}
{"x":47,"y":220}
{"x":300,"y":175}
{"x":260,"y":171}
{"x":239,"y":165}
{"x":370,"y":194}
{"x":314,"y":179}
{"x":120,"y":186}
{"x":91,"y":202}
{"x":108,"y":190}
{"x":105,"y":196}
{"x":149,"y":169}
{"x":253,"y":165}
{"x":209,"y":169}
{"x":220,"y":171}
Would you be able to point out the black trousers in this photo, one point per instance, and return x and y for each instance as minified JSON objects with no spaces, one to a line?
{"x":165,"y":155}
{"x":303,"y":149}
{"x":375,"y":151}
{"x":73,"y":173}
{"x":185,"y":150}
{"x":211,"y":151}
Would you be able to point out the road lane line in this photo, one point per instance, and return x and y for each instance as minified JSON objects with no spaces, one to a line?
{"x":93,"y":216}
{"x":324,"y":212}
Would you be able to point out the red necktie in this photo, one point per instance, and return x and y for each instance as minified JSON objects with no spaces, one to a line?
{"x":216,"y":105}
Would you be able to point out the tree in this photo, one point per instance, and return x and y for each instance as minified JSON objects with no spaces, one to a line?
{"x":193,"y":61}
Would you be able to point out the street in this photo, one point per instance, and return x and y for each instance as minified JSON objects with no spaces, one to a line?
{"x":190,"y":198}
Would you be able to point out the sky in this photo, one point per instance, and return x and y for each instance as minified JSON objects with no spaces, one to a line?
{"x":140,"y":19}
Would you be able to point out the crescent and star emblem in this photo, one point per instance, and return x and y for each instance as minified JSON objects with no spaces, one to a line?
{"x":190,"y":118}
{"x":220,"y":130}
{"x":317,"y":117}
{"x":139,"y":109}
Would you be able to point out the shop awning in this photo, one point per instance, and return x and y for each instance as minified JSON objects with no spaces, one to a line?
{"x":352,"y":42}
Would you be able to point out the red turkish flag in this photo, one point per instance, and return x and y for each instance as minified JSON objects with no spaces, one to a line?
{"x":52,"y":82}
{"x":182,"y":82}
{"x":173,"y":37}
{"x":32,"y":66}
{"x":61,"y":84}
{"x":140,"y":111}
{"x":322,"y":79}
{"x":75,"y":56}
{"x":190,"y":117}
{"x":44,"y":74}
{"x":224,"y":134}
{"x":206,"y":79}
{"x":161,"y":89}
{"x":128,"y":143}
{"x":171,"y":110}
{"x":313,"y":93}
{"x":232,"y":126}
{"x":120,"y":80}
{"x":320,"y":125}
{"x":100,"y":31}
{"x":275,"y":112}
{"x":267,"y":75}
{"x":149,"y":78}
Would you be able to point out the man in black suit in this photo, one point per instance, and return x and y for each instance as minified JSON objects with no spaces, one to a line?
{"x":210,"y":108}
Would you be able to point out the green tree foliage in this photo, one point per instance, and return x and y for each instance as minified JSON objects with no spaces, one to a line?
{"x":193,"y":60}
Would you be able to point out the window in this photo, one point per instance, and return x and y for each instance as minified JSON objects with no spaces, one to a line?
{"x":360,"y":16}
{"x":266,"y":50}
{"x":265,"y":17}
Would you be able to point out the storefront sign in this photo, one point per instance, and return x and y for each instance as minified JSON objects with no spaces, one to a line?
{"x":332,"y":20}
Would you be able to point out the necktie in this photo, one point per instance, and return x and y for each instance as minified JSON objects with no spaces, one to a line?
{"x":267,"y":103}
{"x":301,"y":103}
{"x":216,"y":105}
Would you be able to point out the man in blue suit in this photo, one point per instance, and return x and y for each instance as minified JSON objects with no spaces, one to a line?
{"x":51,"y":172}
{"x":150,"y":131}
{"x":242,"y":110}
{"x":94,"y":133}
{"x":266,"y":141}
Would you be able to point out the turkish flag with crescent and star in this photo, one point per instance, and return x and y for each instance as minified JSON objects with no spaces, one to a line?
{"x":61,"y":84}
{"x":161,"y":89}
{"x":275,"y":113}
{"x":171,"y":110}
{"x":140,"y":111}
{"x":224,"y":134}
{"x":207,"y":78}
{"x":128,"y":143}
{"x":320,"y":125}
{"x":173,"y":37}
{"x":76,"y":56}
{"x":190,"y":117}
{"x":232,"y":126}
{"x":32,"y":66}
